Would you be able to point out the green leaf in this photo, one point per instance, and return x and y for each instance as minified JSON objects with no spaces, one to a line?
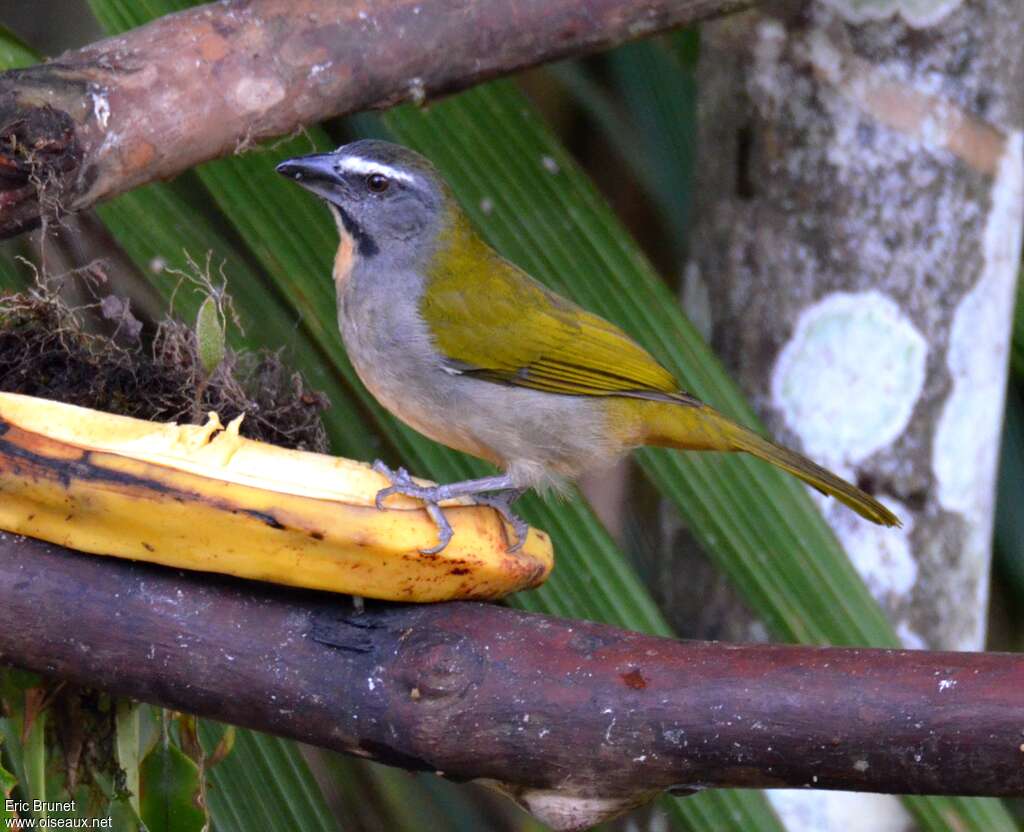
{"x":224,"y":746}
{"x":650,"y":121}
{"x":210,"y":335}
{"x":370,"y":795}
{"x":170,"y":791}
{"x":14,"y":276}
{"x":13,"y":51}
{"x":15,"y":680}
{"x":7,"y":780}
{"x":657,"y":81}
{"x":129,"y":747}
{"x":7,"y":783}
{"x":34,"y":760}
{"x":1009,"y":523}
{"x":11,"y":750}
{"x":263,"y":784}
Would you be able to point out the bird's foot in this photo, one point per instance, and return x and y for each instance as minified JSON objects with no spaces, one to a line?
{"x":502,"y":503}
{"x":495,"y":492}
{"x":402,"y":483}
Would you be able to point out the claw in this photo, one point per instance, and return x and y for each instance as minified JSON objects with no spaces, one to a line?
{"x":382,"y":495}
{"x":402,"y":483}
{"x":506,"y":493}
{"x":444,"y":529}
{"x":502,"y":503}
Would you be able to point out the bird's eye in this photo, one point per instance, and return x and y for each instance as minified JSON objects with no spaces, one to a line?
{"x":377,"y":183}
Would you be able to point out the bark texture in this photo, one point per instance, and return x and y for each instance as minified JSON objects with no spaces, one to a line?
{"x":855,"y":259}
{"x":208,"y":81}
{"x":577,"y":721}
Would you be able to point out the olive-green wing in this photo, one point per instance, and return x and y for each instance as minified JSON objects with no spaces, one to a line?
{"x":493,"y":321}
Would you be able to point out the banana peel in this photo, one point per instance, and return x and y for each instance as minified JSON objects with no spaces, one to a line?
{"x":203,"y":497}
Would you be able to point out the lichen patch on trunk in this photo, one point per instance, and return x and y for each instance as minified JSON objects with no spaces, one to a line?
{"x":917,"y":13}
{"x":967,"y":439}
{"x":859,"y":343}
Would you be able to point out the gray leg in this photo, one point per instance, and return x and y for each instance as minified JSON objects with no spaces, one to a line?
{"x":402,"y":483}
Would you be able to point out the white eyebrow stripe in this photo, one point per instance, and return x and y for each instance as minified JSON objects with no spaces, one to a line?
{"x":357,"y":164}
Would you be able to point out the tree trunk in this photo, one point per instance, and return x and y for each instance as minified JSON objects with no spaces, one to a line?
{"x":856,"y":252}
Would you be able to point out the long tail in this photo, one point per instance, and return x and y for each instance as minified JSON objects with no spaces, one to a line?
{"x":814,"y":475}
{"x":689,"y":427}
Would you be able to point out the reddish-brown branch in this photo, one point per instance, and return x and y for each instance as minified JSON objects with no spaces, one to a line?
{"x":558,"y":711}
{"x":198,"y":84}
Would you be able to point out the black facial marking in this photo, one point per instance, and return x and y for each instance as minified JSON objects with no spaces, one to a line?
{"x":365,"y":244}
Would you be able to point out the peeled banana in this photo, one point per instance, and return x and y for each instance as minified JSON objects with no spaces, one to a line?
{"x":203,"y":497}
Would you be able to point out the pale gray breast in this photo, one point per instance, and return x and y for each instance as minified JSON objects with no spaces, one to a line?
{"x":390,"y":347}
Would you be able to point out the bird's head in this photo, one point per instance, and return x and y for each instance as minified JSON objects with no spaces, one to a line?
{"x":388,"y":198}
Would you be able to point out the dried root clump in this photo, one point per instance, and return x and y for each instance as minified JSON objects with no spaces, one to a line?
{"x":278,"y":406}
{"x":47,"y":349}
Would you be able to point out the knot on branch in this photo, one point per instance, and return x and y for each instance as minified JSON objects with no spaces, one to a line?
{"x":438,"y":667}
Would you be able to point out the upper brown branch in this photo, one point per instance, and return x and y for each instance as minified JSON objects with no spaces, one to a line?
{"x":576,"y":719}
{"x":196,"y":85}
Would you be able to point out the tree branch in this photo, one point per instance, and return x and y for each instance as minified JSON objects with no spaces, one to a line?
{"x":577,"y":720}
{"x":204,"y":82}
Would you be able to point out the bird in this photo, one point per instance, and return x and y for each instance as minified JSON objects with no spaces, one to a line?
{"x":471,"y":351}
